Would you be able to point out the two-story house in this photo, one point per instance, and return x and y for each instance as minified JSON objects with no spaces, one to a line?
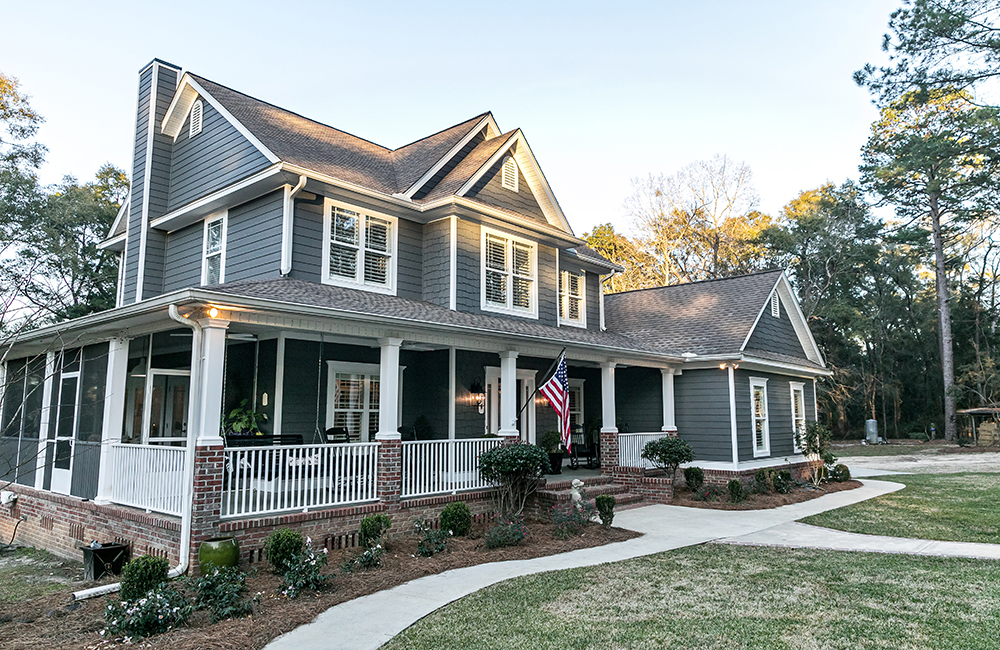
{"x":274,"y":264}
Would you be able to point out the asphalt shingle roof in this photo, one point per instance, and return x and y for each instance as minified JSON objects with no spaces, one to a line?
{"x":705,"y":318}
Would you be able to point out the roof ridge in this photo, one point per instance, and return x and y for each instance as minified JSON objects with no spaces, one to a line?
{"x":705,"y":281}
{"x":439,"y":132}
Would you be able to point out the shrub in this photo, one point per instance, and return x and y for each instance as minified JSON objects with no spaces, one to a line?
{"x":370,"y":558}
{"x":456,"y":518}
{"x":783,"y":482}
{"x":570,"y":519}
{"x":142,"y":575}
{"x":550,"y":442}
{"x":506,"y":531}
{"x":606,"y":508}
{"x":709,"y":493}
{"x":816,"y":442}
{"x":305,"y":571}
{"x":282,"y":546}
{"x":221,"y":593}
{"x":159,"y":610}
{"x":694,"y":477}
{"x":667,"y":453}
{"x":373,"y":527}
{"x":736,"y":493}
{"x":764,"y":480}
{"x":432,"y":541}
{"x":514,"y":470}
{"x":840,"y":473}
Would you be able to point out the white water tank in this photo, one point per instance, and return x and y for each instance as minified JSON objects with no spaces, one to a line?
{"x":871,"y":431}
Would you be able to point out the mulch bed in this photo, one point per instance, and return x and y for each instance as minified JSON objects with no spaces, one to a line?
{"x":50,"y":622}
{"x":685,"y":497}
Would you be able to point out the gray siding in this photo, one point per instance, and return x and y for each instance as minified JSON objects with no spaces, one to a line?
{"x":593,"y":301}
{"x":639,"y":399}
{"x":253,"y":239}
{"x":450,"y":165}
{"x":138,"y":189}
{"x":437,"y":262}
{"x":159,"y":165}
{"x":548,"y":289}
{"x":307,"y":242}
{"x":299,"y":396}
{"x":489,"y":190}
{"x":182,"y":266}
{"x":211,"y":160}
{"x":701,"y":409}
{"x":409,"y":260}
{"x":779,"y":411}
{"x":425,"y":390}
{"x":776,"y":334}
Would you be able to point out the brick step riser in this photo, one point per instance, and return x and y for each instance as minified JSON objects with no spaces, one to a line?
{"x":595,"y":481}
{"x":565,"y":495}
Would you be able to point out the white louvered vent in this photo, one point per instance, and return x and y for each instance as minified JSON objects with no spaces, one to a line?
{"x":508,"y":174}
{"x":196,"y":114}
{"x":775,"y":305}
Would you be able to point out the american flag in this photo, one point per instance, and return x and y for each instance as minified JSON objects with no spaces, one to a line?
{"x":556,"y":390}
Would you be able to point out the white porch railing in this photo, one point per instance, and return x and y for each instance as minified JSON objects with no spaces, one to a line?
{"x":148,"y":477}
{"x":443,"y":466}
{"x":630,"y":449}
{"x":298,"y":477}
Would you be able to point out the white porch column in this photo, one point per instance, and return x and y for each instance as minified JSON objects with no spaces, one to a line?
{"x":508,"y":395}
{"x":669,"y":424}
{"x":388,"y":387}
{"x":213,"y":362}
{"x":609,"y":422}
{"x":114,"y":415}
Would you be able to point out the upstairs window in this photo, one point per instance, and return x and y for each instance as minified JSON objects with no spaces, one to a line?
{"x":508,"y":272}
{"x":197,"y":112}
{"x":758,"y":409}
{"x":775,"y":305}
{"x":358,"y":249}
{"x":213,"y":264}
{"x":508,"y":174}
{"x":572,"y":309}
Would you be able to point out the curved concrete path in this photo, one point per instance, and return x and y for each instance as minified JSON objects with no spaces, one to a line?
{"x":368,"y":622}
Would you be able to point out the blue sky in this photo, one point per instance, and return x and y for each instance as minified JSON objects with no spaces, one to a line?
{"x":603,"y":91}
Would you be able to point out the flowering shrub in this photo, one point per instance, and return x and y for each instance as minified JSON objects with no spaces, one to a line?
{"x":434,"y":541}
{"x":709,"y":493}
{"x":370,"y":558}
{"x":221,"y":592}
{"x":570,"y":519}
{"x":160,"y":610}
{"x":506,"y":531}
{"x":304,"y":571}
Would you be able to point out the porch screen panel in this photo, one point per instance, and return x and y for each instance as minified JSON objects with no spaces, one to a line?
{"x":34,"y":383}
{"x":92,"y":381}
{"x":13,"y":409}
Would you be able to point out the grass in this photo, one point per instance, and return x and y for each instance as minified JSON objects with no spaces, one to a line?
{"x":950,"y":507}
{"x":716,"y":596}
{"x":26,"y":573}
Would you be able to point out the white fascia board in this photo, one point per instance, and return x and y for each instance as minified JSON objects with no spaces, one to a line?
{"x":207,"y":204}
{"x":112,"y":243}
{"x":122,"y":214}
{"x":512,"y":218}
{"x":751,"y":363}
{"x":763,"y":308}
{"x":486,"y":121}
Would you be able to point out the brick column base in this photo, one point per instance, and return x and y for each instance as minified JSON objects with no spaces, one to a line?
{"x":206,"y":497}
{"x":390,"y":473}
{"x":609,"y":452}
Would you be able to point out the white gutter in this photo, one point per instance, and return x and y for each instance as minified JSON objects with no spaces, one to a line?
{"x":188,"y":507}
{"x":288,"y":220}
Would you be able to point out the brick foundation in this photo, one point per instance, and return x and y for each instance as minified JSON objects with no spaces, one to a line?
{"x":800,"y":471}
{"x":652,"y":486}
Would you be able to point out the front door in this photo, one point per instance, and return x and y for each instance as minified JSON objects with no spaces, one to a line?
{"x":67,"y":414}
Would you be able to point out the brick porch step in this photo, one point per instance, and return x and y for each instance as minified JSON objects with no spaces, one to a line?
{"x":566,"y":483}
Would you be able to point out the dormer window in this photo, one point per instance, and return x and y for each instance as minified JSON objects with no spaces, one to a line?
{"x":572,"y":309}
{"x":775,"y":305}
{"x":197,"y":112}
{"x":213,"y":261}
{"x":508,"y":174}
{"x":358,"y":249}
{"x":508,"y":274}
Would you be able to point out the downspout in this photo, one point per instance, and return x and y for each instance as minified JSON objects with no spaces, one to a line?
{"x":600,"y":298}
{"x":286,"y":226}
{"x":188,"y":507}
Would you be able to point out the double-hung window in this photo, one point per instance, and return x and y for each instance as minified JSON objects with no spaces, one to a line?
{"x":572,"y":308}
{"x":758,"y":409}
{"x":798,"y":413}
{"x":213,"y":261}
{"x":358,"y":249}
{"x":353,"y":398}
{"x":508,"y":273}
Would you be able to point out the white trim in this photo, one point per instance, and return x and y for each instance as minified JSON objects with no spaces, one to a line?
{"x":727,"y":466}
{"x":511,"y":240}
{"x":108,"y":243}
{"x":164,"y":222}
{"x":486,"y":122}
{"x":760,"y":382}
{"x":146,"y":174}
{"x":279,"y":383}
{"x":453,"y":264}
{"x":733,"y":430}
{"x":801,"y":388}
{"x":492,"y":376}
{"x":120,"y":289}
{"x":112,"y":238}
{"x":815,"y":403}
{"x":209,"y":220}
{"x":45,"y":417}
{"x":359,"y":283}
{"x":600,"y":299}
{"x":288,"y":223}
{"x":563,"y":302}
{"x":199,"y":106}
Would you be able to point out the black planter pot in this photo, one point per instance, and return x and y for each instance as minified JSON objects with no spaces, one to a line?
{"x":555,"y":461}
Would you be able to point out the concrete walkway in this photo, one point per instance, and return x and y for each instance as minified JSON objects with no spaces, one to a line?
{"x":368,"y":622}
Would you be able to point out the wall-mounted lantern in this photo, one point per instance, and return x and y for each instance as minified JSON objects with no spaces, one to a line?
{"x":478,"y":395}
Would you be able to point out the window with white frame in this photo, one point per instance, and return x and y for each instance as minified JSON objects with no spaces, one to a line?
{"x":353,"y":398}
{"x":197,"y":114}
{"x":758,"y":410}
{"x":358,"y":249}
{"x":213,"y":264}
{"x":576,"y":410}
{"x":508,"y":174}
{"x":508,"y":274}
{"x":572,"y":306}
{"x":798,"y":413}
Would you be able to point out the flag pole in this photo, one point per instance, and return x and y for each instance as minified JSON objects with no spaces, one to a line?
{"x":541,"y":383}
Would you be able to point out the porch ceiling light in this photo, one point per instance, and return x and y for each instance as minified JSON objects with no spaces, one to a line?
{"x":478,"y":395}
{"x":213,"y":312}
{"x":723,"y":366}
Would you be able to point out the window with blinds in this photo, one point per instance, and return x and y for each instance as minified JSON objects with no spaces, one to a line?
{"x":508,"y":174}
{"x":355,"y":404}
{"x":508,"y":274}
{"x":359,"y":249}
{"x":758,"y":405}
{"x":197,"y":112}
{"x":571,"y":298}
{"x":798,"y":413}
{"x":213,"y":267}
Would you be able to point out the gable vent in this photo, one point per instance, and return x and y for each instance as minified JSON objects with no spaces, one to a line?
{"x":508,"y":174}
{"x":775,"y":305}
{"x":196,"y":114}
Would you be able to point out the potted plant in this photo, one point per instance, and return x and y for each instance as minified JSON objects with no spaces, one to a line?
{"x":242,"y":421}
{"x":552,"y":444}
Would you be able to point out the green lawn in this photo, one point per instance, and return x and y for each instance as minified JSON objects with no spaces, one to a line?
{"x":732,"y":597}
{"x":951,"y":507}
{"x":27,"y":572}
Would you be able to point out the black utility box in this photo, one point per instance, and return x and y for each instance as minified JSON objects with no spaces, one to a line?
{"x":107,"y":560}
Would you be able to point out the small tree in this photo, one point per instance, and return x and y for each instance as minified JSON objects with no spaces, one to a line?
{"x":815,"y":442}
{"x":514,"y":470}
{"x":668,"y":453}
